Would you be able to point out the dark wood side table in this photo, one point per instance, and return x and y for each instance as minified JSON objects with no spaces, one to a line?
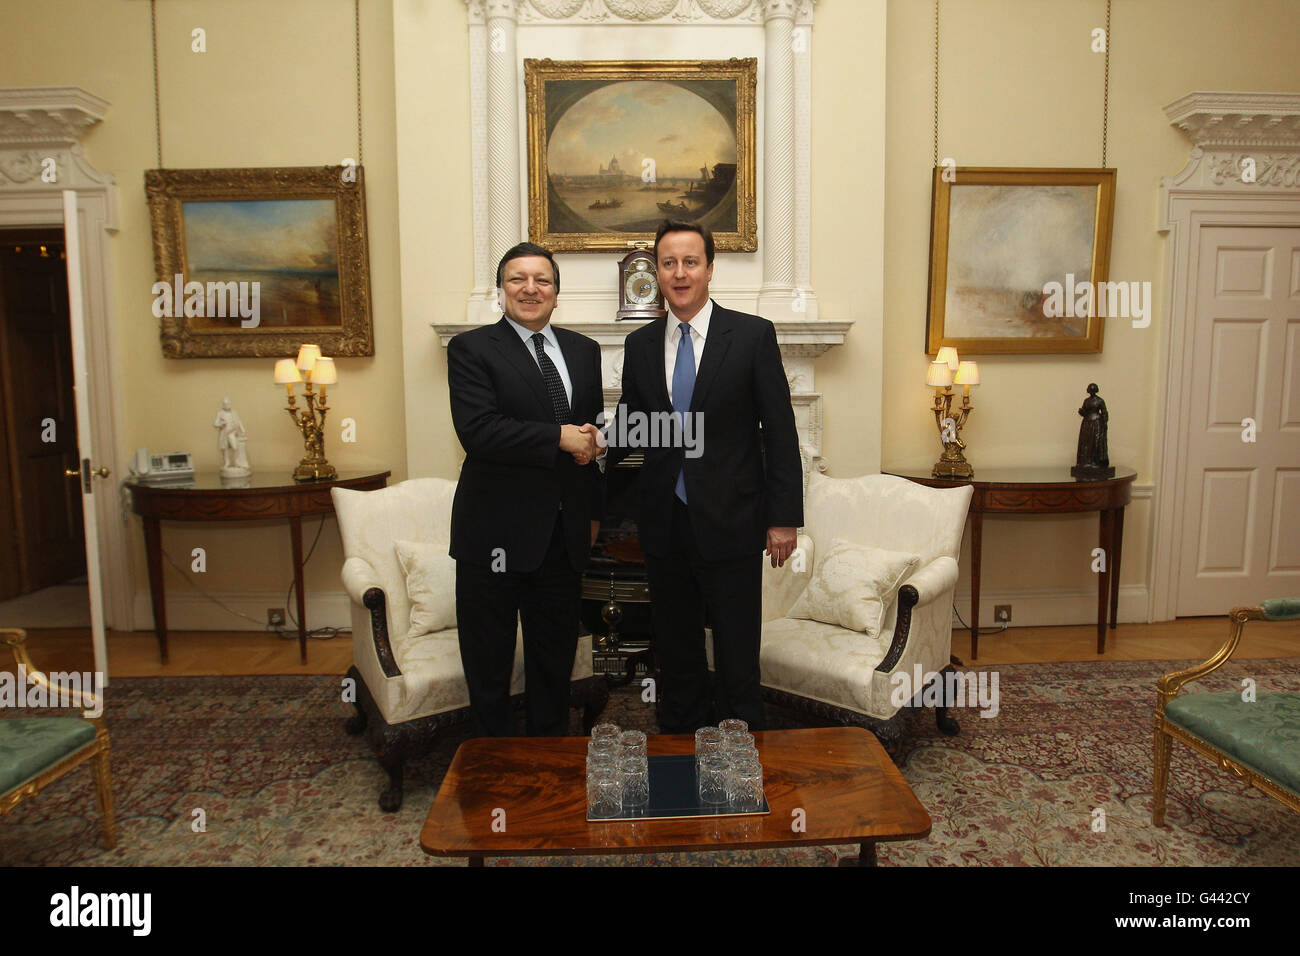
{"x":1042,"y":490}
{"x":209,"y":497}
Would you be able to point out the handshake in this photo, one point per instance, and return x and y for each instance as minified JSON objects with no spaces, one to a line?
{"x":583,"y":442}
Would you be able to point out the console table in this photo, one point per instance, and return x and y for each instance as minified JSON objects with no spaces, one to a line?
{"x":1042,"y":490}
{"x":209,"y":497}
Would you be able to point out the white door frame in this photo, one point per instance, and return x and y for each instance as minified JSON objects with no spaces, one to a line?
{"x":43,"y":123}
{"x":1213,"y":189}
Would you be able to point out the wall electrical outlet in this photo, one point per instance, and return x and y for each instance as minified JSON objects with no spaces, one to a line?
{"x":1002,"y":612}
{"x":275,"y":616}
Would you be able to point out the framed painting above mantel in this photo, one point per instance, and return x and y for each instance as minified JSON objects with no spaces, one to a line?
{"x":1019,"y":261}
{"x":255,"y":262}
{"x":615,"y":147}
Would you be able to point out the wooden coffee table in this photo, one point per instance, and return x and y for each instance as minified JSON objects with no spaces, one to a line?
{"x":526,"y":796}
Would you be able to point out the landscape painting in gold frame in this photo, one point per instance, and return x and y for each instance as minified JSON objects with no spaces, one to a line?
{"x":295,"y":235}
{"x":615,"y":147}
{"x":1011,"y":253}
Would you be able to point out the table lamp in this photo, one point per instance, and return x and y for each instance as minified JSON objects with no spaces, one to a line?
{"x":945,"y":371}
{"x":314,"y":369}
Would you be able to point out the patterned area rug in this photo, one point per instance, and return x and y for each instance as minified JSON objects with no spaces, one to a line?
{"x":258,"y":771}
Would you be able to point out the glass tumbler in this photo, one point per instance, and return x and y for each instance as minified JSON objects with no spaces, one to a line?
{"x":712,"y":779}
{"x":604,"y":794}
{"x":605,"y":730}
{"x":747,"y":786}
{"x":733,"y":740}
{"x":601,"y":761}
{"x":605,"y":746}
{"x":733,"y":723}
{"x":635,"y":775}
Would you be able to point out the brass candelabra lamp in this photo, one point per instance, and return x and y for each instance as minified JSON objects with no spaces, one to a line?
{"x":314,"y":369}
{"x":944,"y":372}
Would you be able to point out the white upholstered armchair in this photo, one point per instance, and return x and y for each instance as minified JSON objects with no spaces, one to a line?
{"x":873,"y":600}
{"x":405,"y":650}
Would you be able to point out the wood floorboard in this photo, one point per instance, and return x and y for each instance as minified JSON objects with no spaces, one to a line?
{"x":194,"y":653}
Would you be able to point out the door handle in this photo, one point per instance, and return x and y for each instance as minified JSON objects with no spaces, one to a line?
{"x":71,"y":473}
{"x":102,"y":472}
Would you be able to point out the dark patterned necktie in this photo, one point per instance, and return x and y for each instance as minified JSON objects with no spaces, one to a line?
{"x":554,"y":384}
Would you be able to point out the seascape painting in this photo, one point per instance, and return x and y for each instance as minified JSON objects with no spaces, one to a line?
{"x":616,"y":148}
{"x":291,"y":241}
{"x":1006,"y":244}
{"x":616,"y":163}
{"x":289,"y":246}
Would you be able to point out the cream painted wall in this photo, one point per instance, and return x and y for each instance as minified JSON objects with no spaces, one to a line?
{"x":276,"y":87}
{"x":1019,"y":87}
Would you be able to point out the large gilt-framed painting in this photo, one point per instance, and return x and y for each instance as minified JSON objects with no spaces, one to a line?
{"x":255,"y":262}
{"x":615,"y":147}
{"x":1019,"y":260}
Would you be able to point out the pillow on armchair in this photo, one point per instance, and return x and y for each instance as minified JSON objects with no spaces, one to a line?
{"x":852,"y":586}
{"x":430,"y":586}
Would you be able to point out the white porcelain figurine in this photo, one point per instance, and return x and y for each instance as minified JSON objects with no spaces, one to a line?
{"x":232,"y":442}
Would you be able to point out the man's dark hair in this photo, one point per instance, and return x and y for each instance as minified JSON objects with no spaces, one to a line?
{"x":529,"y":249}
{"x":683,"y":225}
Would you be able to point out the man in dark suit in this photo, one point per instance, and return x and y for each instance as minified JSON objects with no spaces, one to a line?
{"x":526,"y":512}
{"x":706,"y":513}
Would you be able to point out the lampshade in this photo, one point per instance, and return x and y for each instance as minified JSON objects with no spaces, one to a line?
{"x":948,"y":355}
{"x":938,"y":375}
{"x":286,"y":372}
{"x":307,"y":356}
{"x":967,"y":374}
{"x":324,"y":373}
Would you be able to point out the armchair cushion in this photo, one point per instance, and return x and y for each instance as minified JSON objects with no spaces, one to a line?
{"x":853,"y":584}
{"x":824,"y":662}
{"x":1263,"y":734}
{"x":430,"y":586}
{"x":29,"y":745}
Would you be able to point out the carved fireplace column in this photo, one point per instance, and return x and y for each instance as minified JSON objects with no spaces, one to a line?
{"x":504,"y":211}
{"x":776,"y":295}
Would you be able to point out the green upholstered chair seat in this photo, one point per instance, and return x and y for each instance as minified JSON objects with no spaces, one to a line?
{"x":1263,"y":735}
{"x":29,"y":745}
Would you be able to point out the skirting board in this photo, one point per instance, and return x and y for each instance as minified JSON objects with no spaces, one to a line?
{"x":1041,"y":607}
{"x":191,"y":611}
{"x":1046,"y":607}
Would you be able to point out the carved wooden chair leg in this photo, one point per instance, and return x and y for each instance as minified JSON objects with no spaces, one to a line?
{"x":356,"y":724}
{"x":947,"y":725}
{"x":104,"y":797}
{"x":390,"y":801}
{"x":1160,"y":782}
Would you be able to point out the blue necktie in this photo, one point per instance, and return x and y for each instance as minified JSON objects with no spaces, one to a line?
{"x":683,"y":386}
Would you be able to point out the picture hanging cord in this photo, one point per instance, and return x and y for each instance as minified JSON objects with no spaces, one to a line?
{"x":356,"y":19}
{"x":1105,"y":93}
{"x":157,"y":116}
{"x":157,"y":113}
{"x":936,"y":82}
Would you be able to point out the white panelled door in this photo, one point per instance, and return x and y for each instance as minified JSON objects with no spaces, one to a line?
{"x":1241,"y":515}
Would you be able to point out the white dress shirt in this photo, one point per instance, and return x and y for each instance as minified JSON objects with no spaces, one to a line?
{"x":699,"y":329}
{"x":552,"y":347}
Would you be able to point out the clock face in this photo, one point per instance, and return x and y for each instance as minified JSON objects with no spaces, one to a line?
{"x":641,"y":288}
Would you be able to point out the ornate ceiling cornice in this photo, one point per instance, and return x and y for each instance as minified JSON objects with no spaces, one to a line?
{"x":47,"y":115}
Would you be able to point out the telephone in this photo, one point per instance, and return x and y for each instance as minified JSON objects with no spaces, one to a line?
{"x":171,"y":466}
